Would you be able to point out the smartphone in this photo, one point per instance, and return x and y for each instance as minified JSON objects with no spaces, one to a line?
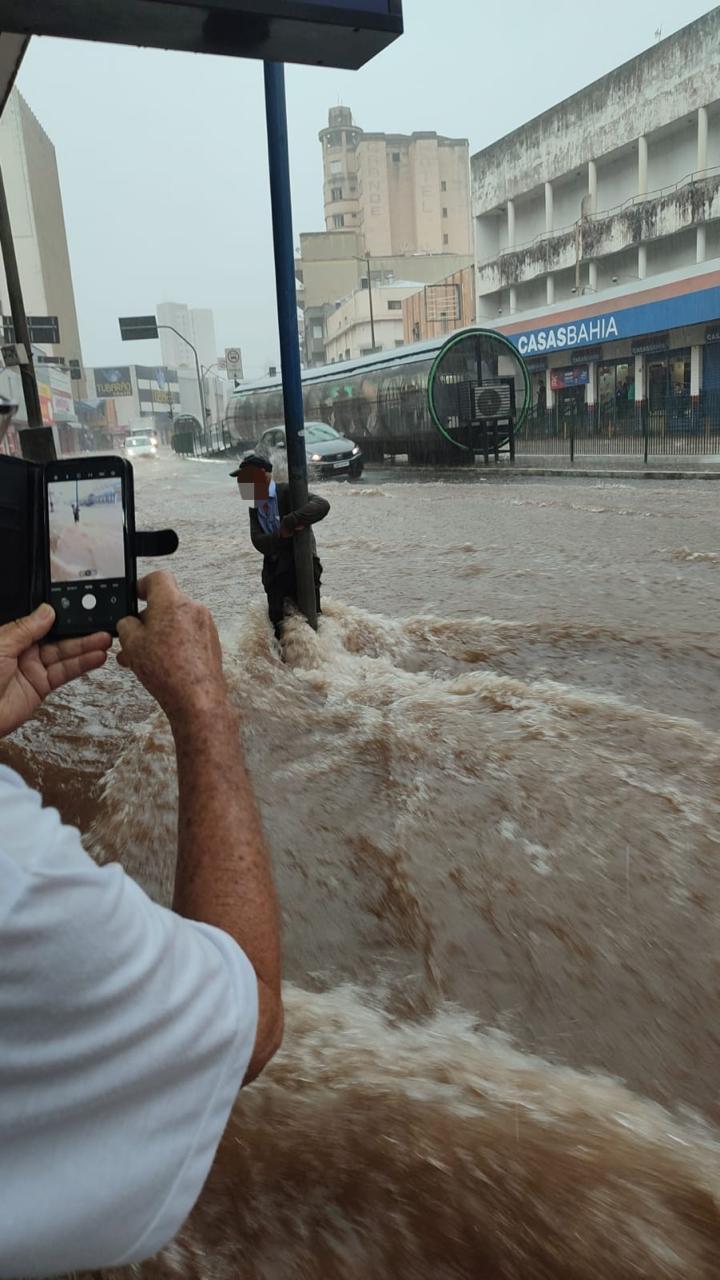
{"x":90,"y":524}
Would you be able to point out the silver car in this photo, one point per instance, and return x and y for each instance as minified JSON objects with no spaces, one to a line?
{"x":328,"y":453}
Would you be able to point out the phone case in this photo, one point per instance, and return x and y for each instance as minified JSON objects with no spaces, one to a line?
{"x":24,"y":568}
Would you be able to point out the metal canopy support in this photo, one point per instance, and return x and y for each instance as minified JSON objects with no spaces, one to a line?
{"x":288,"y":325}
{"x":17,"y":308}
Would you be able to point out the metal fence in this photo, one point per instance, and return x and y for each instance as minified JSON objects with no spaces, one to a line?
{"x":214,"y":441}
{"x":675,"y":426}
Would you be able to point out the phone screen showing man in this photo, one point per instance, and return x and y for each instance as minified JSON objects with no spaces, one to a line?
{"x":86,"y":529}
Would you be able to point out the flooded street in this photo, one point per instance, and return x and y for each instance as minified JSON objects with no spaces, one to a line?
{"x":490,"y":785}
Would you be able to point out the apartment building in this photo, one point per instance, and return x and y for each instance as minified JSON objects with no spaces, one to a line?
{"x":597,"y":230}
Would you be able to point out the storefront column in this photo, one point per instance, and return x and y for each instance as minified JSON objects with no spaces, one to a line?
{"x":593,"y":275}
{"x":550,"y":290}
{"x":642,"y":165}
{"x":642,"y":262}
{"x":592,"y":185}
{"x":700,"y":244}
{"x":511,"y":224}
{"x":591,"y":394}
{"x":696,"y":359}
{"x":702,"y":138}
{"x":549,"y":207}
{"x":639,"y":379}
{"x":549,"y":393}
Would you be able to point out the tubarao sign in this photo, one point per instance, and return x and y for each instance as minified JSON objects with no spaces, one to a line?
{"x":333,"y":33}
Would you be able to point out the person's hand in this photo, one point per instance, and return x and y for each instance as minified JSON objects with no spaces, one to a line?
{"x":30,"y":671}
{"x":174,"y":650}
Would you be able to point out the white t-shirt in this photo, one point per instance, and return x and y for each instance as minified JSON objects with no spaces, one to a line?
{"x":125,"y":1034}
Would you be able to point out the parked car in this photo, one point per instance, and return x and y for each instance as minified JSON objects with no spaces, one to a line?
{"x":140,"y":446}
{"x":328,"y":453}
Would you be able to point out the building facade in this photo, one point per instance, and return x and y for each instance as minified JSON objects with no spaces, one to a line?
{"x":403,"y":193}
{"x":333,"y":264}
{"x":29,"y":167}
{"x":136,"y":393}
{"x":597,"y":233}
{"x":368,"y":320}
{"x":440,"y":308}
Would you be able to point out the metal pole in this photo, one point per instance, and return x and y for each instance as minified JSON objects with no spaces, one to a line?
{"x":279,"y":165}
{"x":182,"y":338}
{"x":17,"y":308}
{"x":372,"y":316}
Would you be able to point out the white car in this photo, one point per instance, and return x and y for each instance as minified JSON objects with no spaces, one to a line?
{"x":141,"y":446}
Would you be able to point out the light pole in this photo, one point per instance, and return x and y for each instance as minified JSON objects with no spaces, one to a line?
{"x":370,"y":300}
{"x":182,"y":337}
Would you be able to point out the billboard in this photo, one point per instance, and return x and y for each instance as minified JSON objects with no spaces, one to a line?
{"x":113,"y":381}
{"x":576,"y":376}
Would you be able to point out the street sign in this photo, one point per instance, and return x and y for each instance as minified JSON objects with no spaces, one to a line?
{"x":332,"y":33}
{"x":136,"y":328}
{"x":43,"y":329}
{"x":233,"y":362}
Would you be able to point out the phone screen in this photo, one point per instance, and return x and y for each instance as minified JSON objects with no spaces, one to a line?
{"x":86,"y":532}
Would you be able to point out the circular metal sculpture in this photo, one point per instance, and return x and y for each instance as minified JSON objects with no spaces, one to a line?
{"x":479,"y":390}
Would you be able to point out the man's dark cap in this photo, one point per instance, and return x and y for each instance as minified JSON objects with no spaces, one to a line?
{"x":253,"y":460}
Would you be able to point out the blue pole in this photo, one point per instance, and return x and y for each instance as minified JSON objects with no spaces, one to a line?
{"x":283,"y":242}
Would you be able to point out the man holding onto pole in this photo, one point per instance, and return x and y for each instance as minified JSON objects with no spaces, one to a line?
{"x":273,"y":526}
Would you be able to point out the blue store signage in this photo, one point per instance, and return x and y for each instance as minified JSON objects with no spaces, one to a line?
{"x":669,"y":313}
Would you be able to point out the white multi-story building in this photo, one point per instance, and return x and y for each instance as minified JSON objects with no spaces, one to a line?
{"x":364,"y":315}
{"x":597,"y":231}
{"x":30,"y":173}
{"x":197,"y":324}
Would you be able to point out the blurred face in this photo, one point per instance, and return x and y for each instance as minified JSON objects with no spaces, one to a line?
{"x":253,"y":484}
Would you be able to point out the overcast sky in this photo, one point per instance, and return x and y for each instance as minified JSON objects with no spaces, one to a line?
{"x":163,"y":161}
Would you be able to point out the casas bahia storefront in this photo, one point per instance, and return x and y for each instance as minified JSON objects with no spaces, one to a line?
{"x":646,"y":350}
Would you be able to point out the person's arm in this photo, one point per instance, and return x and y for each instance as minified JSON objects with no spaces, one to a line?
{"x":268,"y":544}
{"x":223,"y":875}
{"x":314,"y":510}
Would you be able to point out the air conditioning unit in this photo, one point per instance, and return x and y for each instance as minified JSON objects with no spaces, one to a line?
{"x":493,"y":400}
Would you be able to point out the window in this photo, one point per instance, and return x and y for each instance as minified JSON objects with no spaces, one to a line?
{"x":336,"y":166}
{"x":399,"y":342}
{"x":446,"y":239}
{"x":336,"y":193}
{"x":444,"y":212}
{"x":317,"y":331}
{"x":443,"y":186}
{"x":339,"y":220}
{"x":395,"y":305}
{"x":396,"y":157}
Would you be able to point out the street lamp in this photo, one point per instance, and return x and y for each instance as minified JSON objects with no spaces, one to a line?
{"x":139,"y":328}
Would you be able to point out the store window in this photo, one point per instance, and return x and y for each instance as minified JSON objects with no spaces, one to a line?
{"x":668,"y":378}
{"x":616,"y":389}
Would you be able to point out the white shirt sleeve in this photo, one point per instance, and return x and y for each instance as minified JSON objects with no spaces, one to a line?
{"x":125,"y":1034}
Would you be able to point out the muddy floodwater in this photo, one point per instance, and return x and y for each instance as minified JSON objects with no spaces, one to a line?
{"x":491,"y":788}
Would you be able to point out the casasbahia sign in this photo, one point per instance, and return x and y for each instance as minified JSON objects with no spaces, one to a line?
{"x":678,"y":311}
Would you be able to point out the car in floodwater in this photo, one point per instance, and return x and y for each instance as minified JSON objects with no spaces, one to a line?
{"x":328,"y":452}
{"x":141,"y":446}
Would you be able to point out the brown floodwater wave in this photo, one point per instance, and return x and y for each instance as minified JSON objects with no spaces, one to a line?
{"x":495,"y":834}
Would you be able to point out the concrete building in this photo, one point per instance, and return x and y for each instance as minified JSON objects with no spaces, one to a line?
{"x":403,"y":193}
{"x":34,"y":199}
{"x":597,"y":231}
{"x":440,"y":308}
{"x":332,"y":264}
{"x":367,"y":314}
{"x":197,"y":324}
